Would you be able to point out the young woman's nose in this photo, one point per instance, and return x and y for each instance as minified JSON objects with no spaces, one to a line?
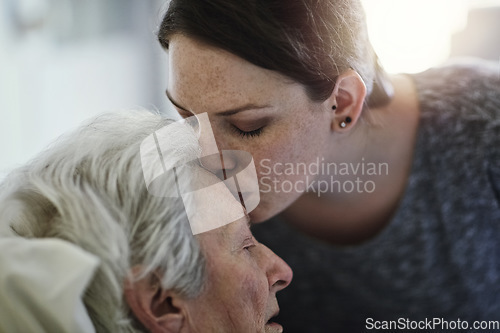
{"x":223,"y":164}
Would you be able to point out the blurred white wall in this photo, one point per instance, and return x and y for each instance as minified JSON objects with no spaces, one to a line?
{"x":63,"y":61}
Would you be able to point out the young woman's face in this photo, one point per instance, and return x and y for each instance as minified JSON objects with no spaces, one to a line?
{"x":251,"y":109}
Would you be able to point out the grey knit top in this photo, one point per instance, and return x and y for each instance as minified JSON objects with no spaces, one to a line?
{"x":439,"y":257}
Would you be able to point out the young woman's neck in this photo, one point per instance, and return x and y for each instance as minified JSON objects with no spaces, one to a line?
{"x":368,"y":170}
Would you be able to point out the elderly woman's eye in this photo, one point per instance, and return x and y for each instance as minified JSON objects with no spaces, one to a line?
{"x":249,"y":244}
{"x":248,"y":134}
{"x":249,"y":247}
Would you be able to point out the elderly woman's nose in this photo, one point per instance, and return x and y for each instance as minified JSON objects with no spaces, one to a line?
{"x":279,"y":274}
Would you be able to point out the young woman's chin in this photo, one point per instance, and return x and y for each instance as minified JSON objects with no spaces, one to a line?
{"x":271,"y":204}
{"x":259,"y":215}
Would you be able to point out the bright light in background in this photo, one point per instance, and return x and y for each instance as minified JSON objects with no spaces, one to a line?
{"x":411,"y":36}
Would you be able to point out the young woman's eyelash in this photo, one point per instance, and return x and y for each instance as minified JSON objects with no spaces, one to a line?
{"x":249,"y":134}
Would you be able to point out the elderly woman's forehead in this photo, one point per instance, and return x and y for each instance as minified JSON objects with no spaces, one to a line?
{"x":236,"y":227}
{"x":231,"y":232}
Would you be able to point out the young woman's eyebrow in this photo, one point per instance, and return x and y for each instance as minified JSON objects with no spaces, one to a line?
{"x":246,"y":107}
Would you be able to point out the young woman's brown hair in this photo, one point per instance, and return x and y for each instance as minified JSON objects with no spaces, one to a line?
{"x":309,"y":41}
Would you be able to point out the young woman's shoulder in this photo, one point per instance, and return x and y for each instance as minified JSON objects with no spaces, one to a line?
{"x":465,"y":88}
{"x":460,"y":101}
{"x":466,"y":70}
{"x":460,"y":120}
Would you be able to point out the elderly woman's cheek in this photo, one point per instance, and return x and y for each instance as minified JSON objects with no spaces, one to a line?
{"x":257,"y":299}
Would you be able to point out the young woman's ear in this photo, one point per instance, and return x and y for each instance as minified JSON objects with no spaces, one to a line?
{"x":346,"y":101}
{"x":158,"y":310}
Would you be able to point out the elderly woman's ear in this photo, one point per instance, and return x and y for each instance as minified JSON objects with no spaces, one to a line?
{"x":157,"y":309}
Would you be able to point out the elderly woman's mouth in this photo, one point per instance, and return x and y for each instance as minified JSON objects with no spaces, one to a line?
{"x":273,"y":326}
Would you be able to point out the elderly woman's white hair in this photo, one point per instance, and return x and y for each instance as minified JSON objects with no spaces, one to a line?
{"x":88,"y":188}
